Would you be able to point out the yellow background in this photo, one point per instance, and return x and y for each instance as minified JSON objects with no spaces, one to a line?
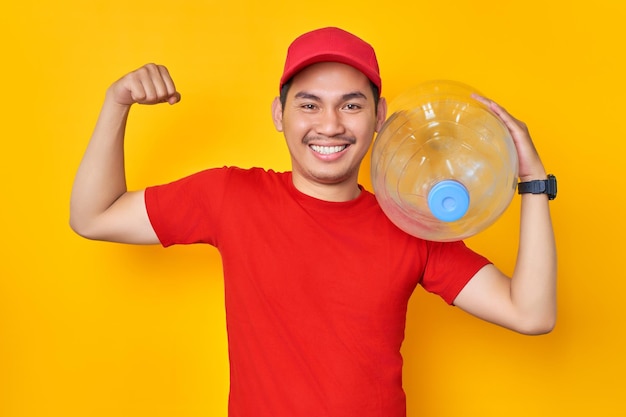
{"x":97,"y":329}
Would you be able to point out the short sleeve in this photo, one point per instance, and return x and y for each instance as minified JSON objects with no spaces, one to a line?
{"x":187,"y":210}
{"x":449,"y":267}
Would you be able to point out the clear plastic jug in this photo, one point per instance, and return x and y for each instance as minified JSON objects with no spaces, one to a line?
{"x":444,"y":167}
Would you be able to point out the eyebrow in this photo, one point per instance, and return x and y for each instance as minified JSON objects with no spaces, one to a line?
{"x":347,"y":96}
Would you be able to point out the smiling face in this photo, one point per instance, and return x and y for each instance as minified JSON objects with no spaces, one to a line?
{"x":329,"y":120}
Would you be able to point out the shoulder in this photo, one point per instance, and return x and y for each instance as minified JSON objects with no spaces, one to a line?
{"x":254,"y":173}
{"x":233,"y":173}
{"x":259,"y":179}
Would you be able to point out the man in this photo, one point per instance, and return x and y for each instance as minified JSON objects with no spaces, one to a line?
{"x":317,"y":279}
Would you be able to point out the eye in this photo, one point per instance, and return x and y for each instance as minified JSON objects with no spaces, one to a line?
{"x":352,"y":106}
{"x":308,"y":106}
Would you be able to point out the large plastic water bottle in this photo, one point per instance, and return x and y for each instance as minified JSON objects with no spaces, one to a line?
{"x":444,"y":167}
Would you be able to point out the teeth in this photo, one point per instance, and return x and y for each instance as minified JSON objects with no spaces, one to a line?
{"x":327,"y":150}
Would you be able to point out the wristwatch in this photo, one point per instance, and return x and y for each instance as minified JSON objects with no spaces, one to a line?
{"x":539,"y":187}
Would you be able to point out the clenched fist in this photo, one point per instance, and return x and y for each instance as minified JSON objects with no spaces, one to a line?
{"x":150,"y":84}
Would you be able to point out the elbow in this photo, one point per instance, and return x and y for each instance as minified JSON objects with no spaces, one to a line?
{"x":81,"y":228}
{"x":85,"y":223}
{"x":537,"y":327}
{"x":78,"y":228}
{"x":77,"y":221}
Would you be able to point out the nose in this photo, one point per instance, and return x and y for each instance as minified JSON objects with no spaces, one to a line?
{"x":330,"y":123}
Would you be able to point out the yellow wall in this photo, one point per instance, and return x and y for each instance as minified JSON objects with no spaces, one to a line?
{"x":96,"y":329}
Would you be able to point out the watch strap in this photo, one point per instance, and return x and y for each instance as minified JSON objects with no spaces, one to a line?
{"x":547,"y":186}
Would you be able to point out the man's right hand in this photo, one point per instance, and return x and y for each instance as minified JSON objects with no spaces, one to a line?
{"x":150,"y":84}
{"x":101,"y":206}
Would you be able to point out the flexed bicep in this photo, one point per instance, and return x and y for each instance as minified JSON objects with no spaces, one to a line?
{"x":101,"y":206}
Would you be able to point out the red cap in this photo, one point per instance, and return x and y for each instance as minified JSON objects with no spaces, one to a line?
{"x":331,"y":45}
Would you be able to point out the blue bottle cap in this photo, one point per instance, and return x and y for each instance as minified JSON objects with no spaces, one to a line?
{"x":448,"y":200}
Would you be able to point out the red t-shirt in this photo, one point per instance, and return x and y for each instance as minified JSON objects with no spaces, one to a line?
{"x":316,"y":291}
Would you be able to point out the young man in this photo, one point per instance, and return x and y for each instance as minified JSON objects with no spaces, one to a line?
{"x":317,"y":279}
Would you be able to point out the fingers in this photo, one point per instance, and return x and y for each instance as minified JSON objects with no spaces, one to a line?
{"x":155,"y":85}
{"x":511,"y":122}
{"x":530,"y":163}
{"x":516,"y":127}
{"x":150,"y":84}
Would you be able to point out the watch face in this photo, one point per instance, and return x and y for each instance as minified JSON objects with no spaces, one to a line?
{"x":551,"y":187}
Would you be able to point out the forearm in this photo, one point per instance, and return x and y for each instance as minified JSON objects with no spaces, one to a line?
{"x":101,"y":207}
{"x":533,"y":285}
{"x":100,"y":179}
{"x":526,"y":302}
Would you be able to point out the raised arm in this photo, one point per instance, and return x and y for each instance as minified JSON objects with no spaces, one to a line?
{"x":101,"y":207}
{"x":527,"y":301}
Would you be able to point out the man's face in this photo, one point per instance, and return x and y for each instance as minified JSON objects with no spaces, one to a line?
{"x":329,"y":121}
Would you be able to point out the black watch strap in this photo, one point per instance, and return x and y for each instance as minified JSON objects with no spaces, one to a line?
{"x":539,"y":187}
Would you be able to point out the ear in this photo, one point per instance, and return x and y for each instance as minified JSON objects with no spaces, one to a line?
{"x":382,"y":113}
{"x":277,"y":114}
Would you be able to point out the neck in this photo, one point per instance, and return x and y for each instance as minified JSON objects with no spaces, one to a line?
{"x":339,"y":192}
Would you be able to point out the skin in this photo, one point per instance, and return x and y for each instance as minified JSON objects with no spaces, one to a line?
{"x":329,"y":120}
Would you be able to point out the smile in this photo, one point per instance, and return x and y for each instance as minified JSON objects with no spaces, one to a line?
{"x":328,"y":150}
